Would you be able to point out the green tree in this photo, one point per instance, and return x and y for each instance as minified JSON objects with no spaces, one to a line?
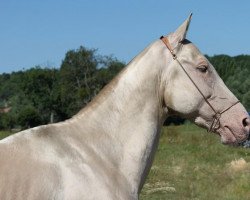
{"x":29,"y":117}
{"x":246,"y":100}
{"x":110,"y":68}
{"x":7,"y":121}
{"x":41,"y":86}
{"x":78,"y":79}
{"x":235,"y":72}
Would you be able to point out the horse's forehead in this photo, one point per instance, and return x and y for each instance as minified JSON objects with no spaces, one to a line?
{"x":191,"y":52}
{"x":191,"y":49}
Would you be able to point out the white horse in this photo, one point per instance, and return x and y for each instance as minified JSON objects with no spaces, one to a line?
{"x":106,"y":150}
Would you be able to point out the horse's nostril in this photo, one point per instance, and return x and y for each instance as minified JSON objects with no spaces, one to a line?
{"x":245,"y":122}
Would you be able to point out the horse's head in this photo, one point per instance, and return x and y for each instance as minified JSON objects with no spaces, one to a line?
{"x":195,"y":91}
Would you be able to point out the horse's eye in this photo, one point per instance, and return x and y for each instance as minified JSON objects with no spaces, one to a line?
{"x":202,"y":68}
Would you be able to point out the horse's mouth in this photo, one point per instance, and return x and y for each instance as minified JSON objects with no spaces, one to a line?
{"x":228,"y":137}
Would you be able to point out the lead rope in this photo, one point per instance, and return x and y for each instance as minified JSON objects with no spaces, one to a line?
{"x":217,"y":115}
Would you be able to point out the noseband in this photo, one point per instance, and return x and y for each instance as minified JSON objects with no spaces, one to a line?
{"x":217,"y":115}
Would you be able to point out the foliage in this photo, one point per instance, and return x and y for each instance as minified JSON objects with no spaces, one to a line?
{"x":29,"y":117}
{"x":82,"y":75}
{"x":50,"y":95}
{"x":40,"y":86}
{"x":235,"y":71}
{"x":4,"y":134}
{"x":78,"y":77}
{"x":58,"y":94}
{"x":6,"y":121}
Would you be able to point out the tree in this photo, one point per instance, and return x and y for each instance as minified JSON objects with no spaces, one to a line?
{"x":7,"y":121}
{"x":29,"y":117}
{"x":235,"y":72}
{"x":50,"y":95}
{"x":78,"y":79}
{"x":246,"y":100}
{"x":41,"y":86}
{"x":110,"y":68}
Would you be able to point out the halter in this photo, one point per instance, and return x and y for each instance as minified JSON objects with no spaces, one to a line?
{"x":217,"y":115}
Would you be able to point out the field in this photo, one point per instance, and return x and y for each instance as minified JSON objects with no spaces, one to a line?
{"x":192,"y":164}
{"x":4,"y":134}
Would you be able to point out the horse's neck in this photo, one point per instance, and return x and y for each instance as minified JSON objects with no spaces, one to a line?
{"x":127,"y":115}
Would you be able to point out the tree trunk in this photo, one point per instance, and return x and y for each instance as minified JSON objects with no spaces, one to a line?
{"x":51,"y":117}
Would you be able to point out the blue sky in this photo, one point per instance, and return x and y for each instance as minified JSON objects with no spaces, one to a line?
{"x":40,"y":32}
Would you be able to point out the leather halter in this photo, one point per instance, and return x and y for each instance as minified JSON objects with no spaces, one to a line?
{"x":216,"y":118}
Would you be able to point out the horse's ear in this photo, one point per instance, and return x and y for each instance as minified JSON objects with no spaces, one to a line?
{"x":181,"y":32}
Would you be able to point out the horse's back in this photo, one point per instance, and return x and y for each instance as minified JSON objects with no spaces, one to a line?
{"x":23,"y":175}
{"x":40,"y":164}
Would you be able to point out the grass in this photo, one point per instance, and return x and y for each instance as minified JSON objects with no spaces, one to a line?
{"x":4,"y":134}
{"x":192,"y":164}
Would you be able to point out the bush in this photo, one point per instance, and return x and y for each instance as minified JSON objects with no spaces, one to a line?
{"x":6,"y":121}
{"x":29,"y":117}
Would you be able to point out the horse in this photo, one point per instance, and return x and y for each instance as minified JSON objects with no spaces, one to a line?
{"x":106,"y":150}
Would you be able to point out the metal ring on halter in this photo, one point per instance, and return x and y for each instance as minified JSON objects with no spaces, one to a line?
{"x":174,"y":55}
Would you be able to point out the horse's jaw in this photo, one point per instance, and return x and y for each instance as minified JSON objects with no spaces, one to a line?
{"x":230,"y":127}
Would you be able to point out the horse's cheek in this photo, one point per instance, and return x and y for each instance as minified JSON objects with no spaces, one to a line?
{"x":184,"y":102}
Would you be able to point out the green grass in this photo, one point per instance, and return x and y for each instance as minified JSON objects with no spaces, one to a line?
{"x":4,"y":134}
{"x":192,"y":164}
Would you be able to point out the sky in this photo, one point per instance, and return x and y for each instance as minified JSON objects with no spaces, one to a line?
{"x":40,"y":32}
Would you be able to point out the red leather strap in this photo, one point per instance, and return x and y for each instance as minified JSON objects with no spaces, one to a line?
{"x":166,"y":42}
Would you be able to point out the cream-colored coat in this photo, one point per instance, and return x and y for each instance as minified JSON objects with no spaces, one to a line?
{"x":106,"y":150}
